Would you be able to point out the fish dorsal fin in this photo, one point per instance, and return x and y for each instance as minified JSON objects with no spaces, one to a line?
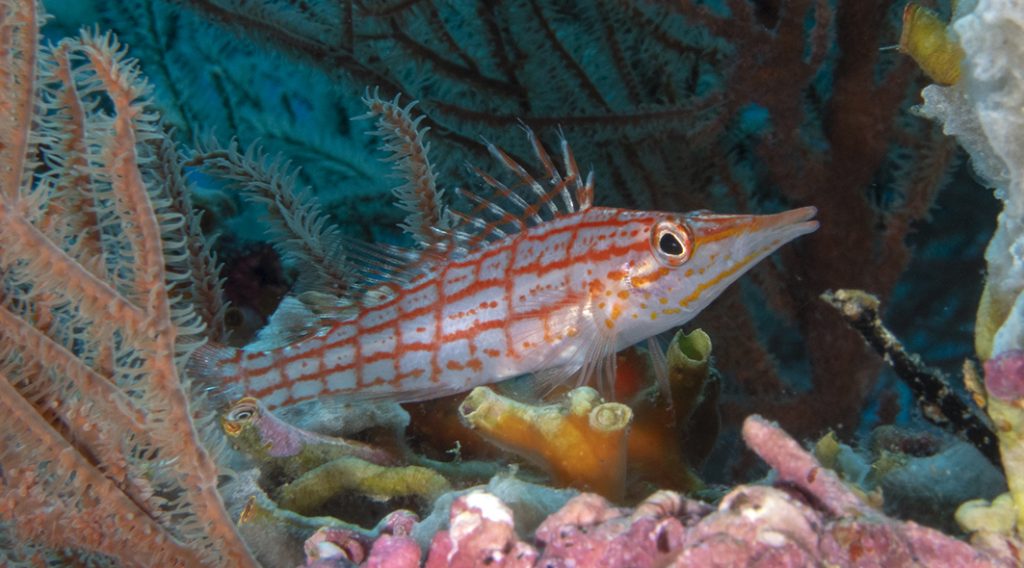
{"x":527,"y":202}
{"x":370,"y":265}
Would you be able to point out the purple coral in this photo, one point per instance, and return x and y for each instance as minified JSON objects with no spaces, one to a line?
{"x":1004,"y":375}
{"x":481,"y":533}
{"x":810,"y":517}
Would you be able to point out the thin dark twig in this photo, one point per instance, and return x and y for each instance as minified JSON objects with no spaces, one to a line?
{"x":939,"y":403}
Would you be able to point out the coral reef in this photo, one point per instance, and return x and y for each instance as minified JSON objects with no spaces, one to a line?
{"x":284,"y":450}
{"x":676,"y":423}
{"x":916,"y":476}
{"x":393,"y":547}
{"x":1004,"y":388}
{"x":984,"y":112}
{"x":808,"y":516}
{"x":109,"y":448}
{"x":480,"y":532}
{"x":285,"y":445}
{"x":303,"y":470}
{"x":665,"y":427}
{"x":530,"y":504}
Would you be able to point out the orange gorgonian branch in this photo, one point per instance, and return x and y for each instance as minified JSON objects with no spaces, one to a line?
{"x":101,"y":447}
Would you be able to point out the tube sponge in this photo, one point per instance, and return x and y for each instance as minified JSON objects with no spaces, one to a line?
{"x":581,"y":441}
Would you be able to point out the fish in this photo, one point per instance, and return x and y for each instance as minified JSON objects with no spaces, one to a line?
{"x":534,"y":279}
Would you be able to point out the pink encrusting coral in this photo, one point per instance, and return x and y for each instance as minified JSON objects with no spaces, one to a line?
{"x":481,"y":532}
{"x":1004,"y":375}
{"x":392,"y":548}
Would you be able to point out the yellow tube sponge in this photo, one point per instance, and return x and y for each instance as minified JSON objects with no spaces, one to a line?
{"x":309,"y":492}
{"x":926,"y":39}
{"x":580,"y":441}
{"x":657,"y":451}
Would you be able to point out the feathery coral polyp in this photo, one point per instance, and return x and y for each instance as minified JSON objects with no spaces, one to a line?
{"x":99,"y":449}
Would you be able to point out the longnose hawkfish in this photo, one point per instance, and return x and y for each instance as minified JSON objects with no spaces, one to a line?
{"x":535,"y":279}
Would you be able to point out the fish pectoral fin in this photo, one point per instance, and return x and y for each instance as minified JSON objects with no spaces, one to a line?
{"x":659,"y":364}
{"x":589,"y":359}
{"x":599,"y":366}
{"x":548,"y":381}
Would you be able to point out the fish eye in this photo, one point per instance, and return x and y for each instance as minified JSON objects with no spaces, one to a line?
{"x":670,"y":245}
{"x":244,"y":410}
{"x":672,"y":242}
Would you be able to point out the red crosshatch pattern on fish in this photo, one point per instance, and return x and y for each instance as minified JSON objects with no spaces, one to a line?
{"x":533,"y":279}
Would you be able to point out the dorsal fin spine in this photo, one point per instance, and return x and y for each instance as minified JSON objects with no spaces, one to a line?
{"x":504,"y":192}
{"x":440,"y":230}
{"x":527,"y":180}
{"x":494,"y":209}
{"x":554,"y":177}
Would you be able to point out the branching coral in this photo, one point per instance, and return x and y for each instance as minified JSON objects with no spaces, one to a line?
{"x":938,"y":402}
{"x":101,"y":274}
